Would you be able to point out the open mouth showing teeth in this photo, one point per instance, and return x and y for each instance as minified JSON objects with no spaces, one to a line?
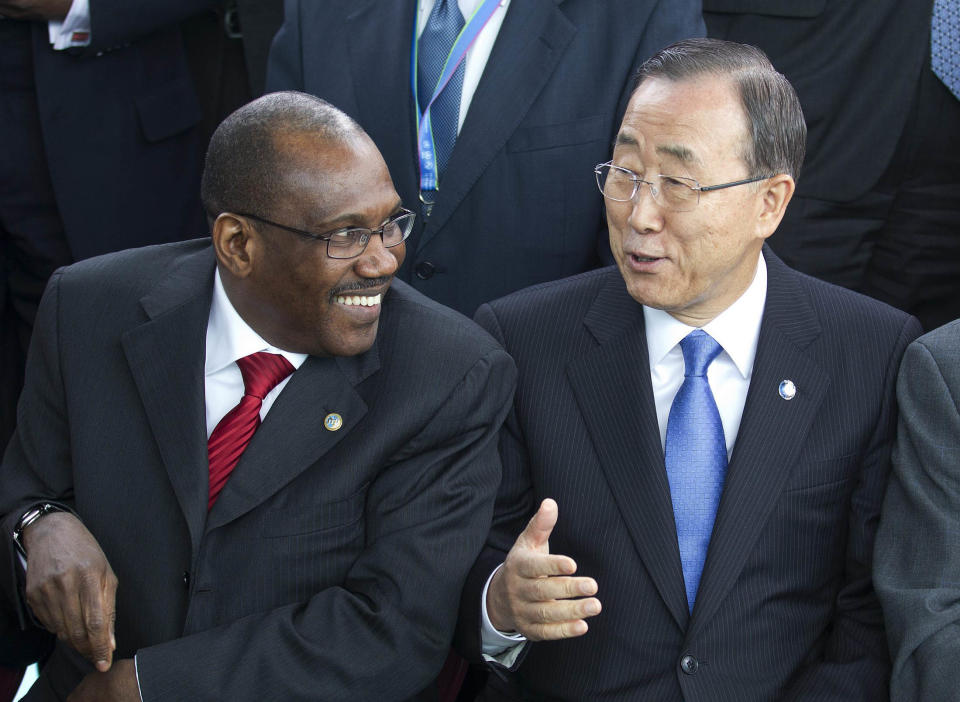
{"x":361,"y":300}
{"x":645,"y":258}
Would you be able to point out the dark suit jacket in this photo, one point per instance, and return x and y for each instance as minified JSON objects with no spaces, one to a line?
{"x":331,"y":565}
{"x":518,"y":203}
{"x":855,"y":66}
{"x":786,"y":607}
{"x":119,"y":122}
{"x":917,"y":566}
{"x":260,"y":20}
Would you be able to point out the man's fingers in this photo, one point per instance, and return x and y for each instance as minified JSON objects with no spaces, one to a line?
{"x":530,"y":564}
{"x":537,"y":533}
{"x":557,"y":611}
{"x":561,"y":630}
{"x":556,"y":588}
{"x":97,"y":597}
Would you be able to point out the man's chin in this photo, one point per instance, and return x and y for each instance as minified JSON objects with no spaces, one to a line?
{"x":352,"y":342}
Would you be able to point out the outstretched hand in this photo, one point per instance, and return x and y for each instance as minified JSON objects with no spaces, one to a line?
{"x":71,"y":587}
{"x":535,"y":592}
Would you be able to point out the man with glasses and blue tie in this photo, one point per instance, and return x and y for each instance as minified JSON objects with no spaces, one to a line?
{"x":701,"y":435}
{"x":254,"y":467}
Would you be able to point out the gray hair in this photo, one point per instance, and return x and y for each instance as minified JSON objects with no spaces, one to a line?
{"x":778,"y":130}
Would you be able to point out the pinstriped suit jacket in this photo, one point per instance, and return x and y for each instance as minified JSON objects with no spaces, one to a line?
{"x":786,"y":607}
{"x":331,"y":564}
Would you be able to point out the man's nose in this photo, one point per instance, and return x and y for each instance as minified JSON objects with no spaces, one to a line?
{"x":646,"y":213}
{"x":378,"y":260}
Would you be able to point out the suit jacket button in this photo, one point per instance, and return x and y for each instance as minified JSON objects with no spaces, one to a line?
{"x":425,"y":270}
{"x":186,"y":578}
{"x":689,"y":665}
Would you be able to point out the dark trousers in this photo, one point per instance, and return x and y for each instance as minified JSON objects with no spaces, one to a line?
{"x":32,"y":239}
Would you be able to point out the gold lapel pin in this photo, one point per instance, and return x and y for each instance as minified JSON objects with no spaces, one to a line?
{"x":333,"y":421}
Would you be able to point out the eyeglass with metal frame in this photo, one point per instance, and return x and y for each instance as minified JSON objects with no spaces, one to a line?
{"x":678,"y":193}
{"x":350,"y":242}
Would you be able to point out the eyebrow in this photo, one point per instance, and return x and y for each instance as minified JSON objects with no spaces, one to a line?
{"x":681,"y":153}
{"x":344,"y":220}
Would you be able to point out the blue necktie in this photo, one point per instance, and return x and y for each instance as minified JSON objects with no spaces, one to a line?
{"x":945,"y":43}
{"x":439,"y":34}
{"x":696,"y":458}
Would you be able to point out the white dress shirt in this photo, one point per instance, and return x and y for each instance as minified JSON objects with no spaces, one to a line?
{"x":230,"y":338}
{"x":477,"y":55}
{"x":737,"y":330}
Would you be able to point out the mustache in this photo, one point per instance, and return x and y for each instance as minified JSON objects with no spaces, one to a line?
{"x":364,"y":284}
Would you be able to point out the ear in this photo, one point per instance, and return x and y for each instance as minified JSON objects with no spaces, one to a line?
{"x":775,"y":194}
{"x":235,"y":243}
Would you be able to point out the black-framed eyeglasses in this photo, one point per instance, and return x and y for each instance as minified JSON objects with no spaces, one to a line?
{"x":350,"y":242}
{"x":676,"y":193}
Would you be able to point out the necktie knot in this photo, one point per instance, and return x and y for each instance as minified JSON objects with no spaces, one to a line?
{"x":699,"y":350}
{"x":262,"y":372}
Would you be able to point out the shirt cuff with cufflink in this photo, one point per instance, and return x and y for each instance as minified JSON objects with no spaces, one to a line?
{"x":73,"y":31}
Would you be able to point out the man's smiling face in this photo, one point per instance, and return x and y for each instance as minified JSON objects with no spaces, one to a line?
{"x":306,"y":301}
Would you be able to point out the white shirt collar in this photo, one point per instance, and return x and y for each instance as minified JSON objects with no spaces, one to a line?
{"x":736,"y":329}
{"x":230,"y":338}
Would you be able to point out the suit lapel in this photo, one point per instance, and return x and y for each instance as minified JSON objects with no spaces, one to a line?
{"x":166,"y":358}
{"x":388,"y":112}
{"x":772,"y":432}
{"x":532,"y":39}
{"x":293,"y":436}
{"x":615,"y":398}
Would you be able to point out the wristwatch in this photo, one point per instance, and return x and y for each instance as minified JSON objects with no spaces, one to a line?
{"x":28,"y":518}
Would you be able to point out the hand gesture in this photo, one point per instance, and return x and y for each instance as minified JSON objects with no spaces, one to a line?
{"x":533,"y":593}
{"x":71,"y":587}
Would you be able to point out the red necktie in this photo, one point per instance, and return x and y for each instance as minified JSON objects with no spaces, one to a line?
{"x":261,"y":372}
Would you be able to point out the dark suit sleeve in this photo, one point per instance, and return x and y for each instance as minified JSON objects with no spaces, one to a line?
{"x":285,"y":67}
{"x":514,"y":507}
{"x":36,"y":465}
{"x":917,"y":568}
{"x":114,"y":23}
{"x":384,"y":633}
{"x":855,"y":662}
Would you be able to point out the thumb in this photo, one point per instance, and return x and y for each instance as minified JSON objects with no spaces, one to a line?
{"x":537,"y":533}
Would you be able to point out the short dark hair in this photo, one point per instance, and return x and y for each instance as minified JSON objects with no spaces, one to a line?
{"x":244,"y":164}
{"x":779,"y":133}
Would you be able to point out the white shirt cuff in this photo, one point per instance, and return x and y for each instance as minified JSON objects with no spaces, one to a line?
{"x":74,"y":29}
{"x":498,"y":647}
